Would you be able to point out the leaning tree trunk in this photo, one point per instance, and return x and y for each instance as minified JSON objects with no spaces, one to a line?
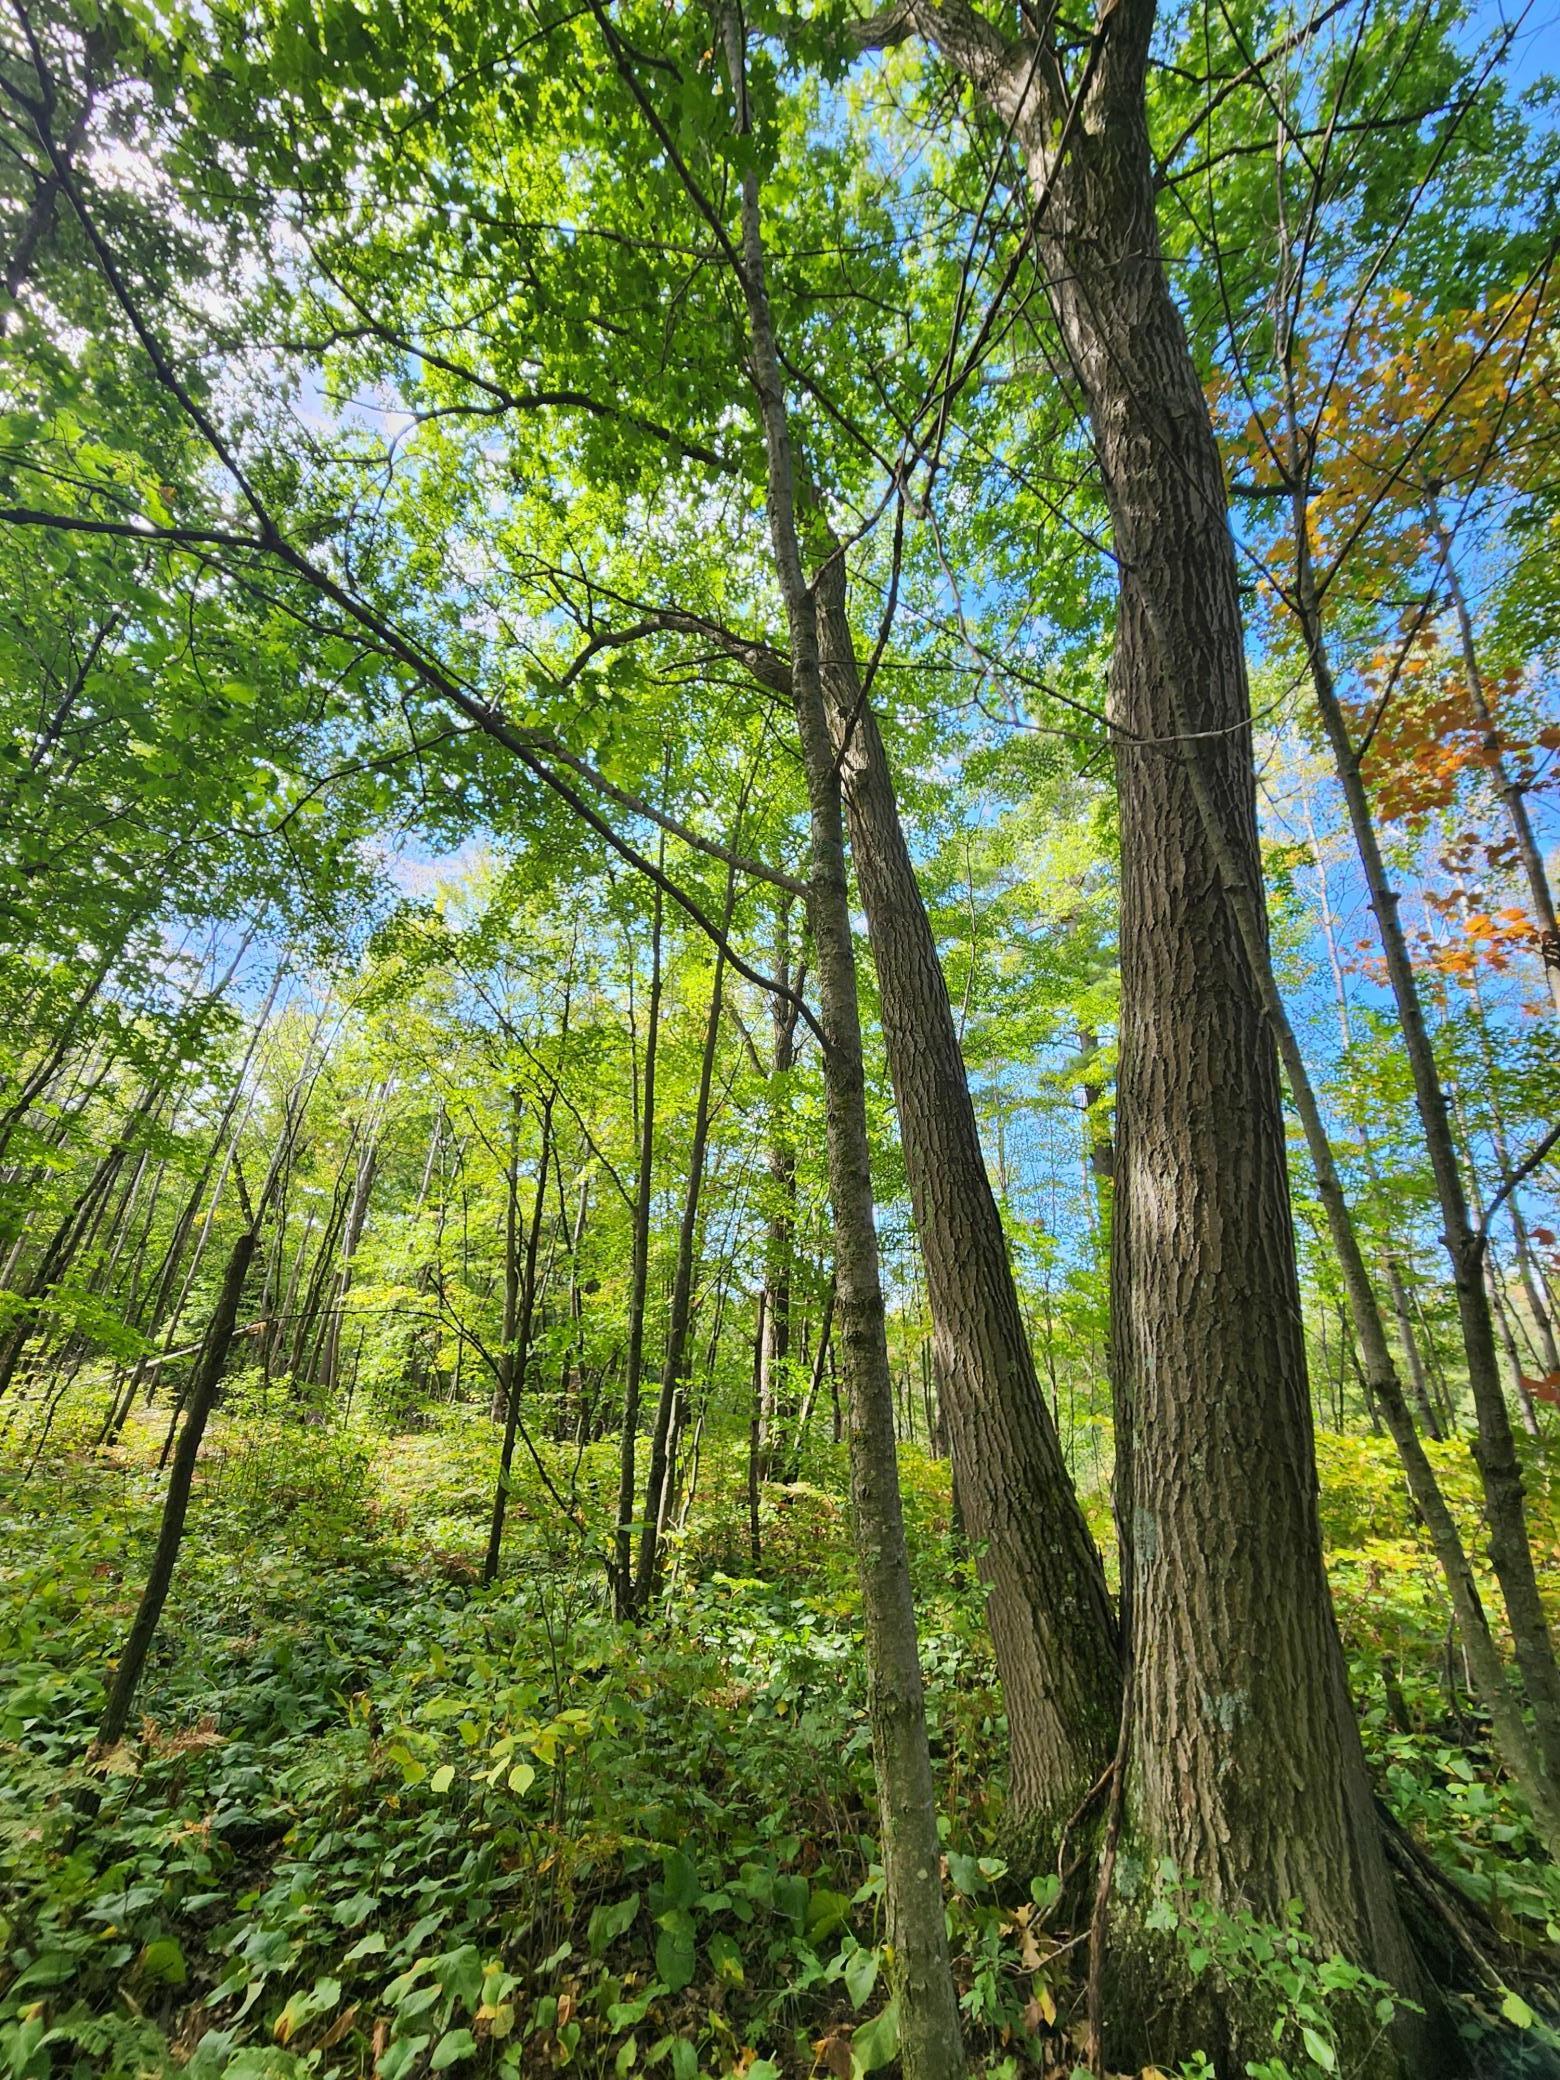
{"x":170,"y":1532}
{"x":1494,"y":1450}
{"x":1051,"y":1619}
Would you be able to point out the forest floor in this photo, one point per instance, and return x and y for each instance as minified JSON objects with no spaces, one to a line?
{"x":377,"y":1819}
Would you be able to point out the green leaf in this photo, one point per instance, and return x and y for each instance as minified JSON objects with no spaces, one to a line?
{"x":1320,"y":2050}
{"x":674,"y":1949}
{"x":679,"y":1885}
{"x":861,"y":1973}
{"x":610,"y":1920}
{"x":791,"y":1900}
{"x":163,"y":1959}
{"x":400,"y":2057}
{"x":1517,"y":2012}
{"x":876,"y":2043}
{"x":965,"y":1872}
{"x":725,"y":1958}
{"x":521,"y":1778}
{"x":454,"y":2044}
{"x":440,"y":1782}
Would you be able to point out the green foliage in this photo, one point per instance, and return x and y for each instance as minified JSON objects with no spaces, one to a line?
{"x":374,"y":1817}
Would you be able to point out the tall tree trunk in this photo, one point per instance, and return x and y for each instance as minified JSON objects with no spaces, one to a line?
{"x":930,"y":2042}
{"x":351,"y":1236}
{"x":1523,"y":1753}
{"x":780,"y":1157}
{"x":1245,"y":1768}
{"x":1051,"y":1620}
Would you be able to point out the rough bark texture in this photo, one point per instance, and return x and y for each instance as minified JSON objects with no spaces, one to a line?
{"x":1246,"y":1767}
{"x":1521,"y":1751}
{"x":1052,"y":1624}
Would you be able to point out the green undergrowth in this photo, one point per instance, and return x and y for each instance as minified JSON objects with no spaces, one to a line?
{"x":377,"y":1819}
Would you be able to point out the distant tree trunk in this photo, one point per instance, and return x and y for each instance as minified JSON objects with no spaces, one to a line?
{"x":780,"y":1157}
{"x":313,"y":1323}
{"x":1527,"y":1270}
{"x":351,"y":1236}
{"x":1511,"y":791}
{"x":1511,"y":1554}
{"x":1411,"y":1350}
{"x":815,"y":1381}
{"x":623,"y":1549}
{"x":60,"y":1251}
{"x":756,"y":1433}
{"x":39,"y":1078}
{"x":198,"y":1404}
{"x":674,"y":1362}
{"x":520,"y":1294}
{"x":572,"y":1383}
